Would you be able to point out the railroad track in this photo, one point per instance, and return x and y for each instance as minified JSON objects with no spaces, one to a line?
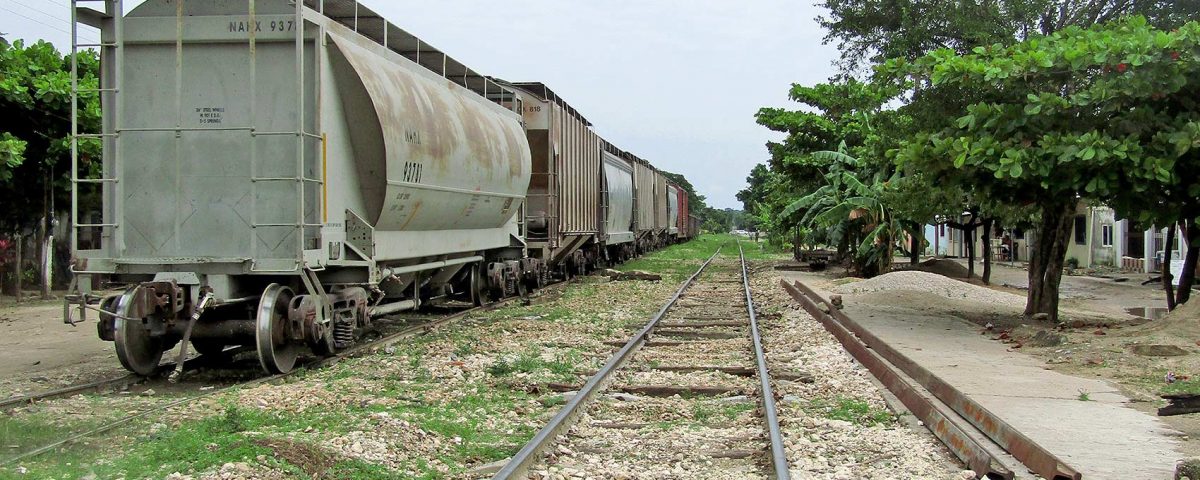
{"x":985,"y":442}
{"x":358,"y":349}
{"x":688,"y":396}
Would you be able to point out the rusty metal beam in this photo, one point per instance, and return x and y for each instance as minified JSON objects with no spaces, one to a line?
{"x":967,"y":444}
{"x":1038,"y":459}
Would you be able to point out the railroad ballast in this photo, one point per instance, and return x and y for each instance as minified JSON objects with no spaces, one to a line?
{"x":277,"y":174}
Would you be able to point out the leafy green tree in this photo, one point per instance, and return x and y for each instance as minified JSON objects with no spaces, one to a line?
{"x":910,"y":29}
{"x":35,"y":133}
{"x":1106,"y":113}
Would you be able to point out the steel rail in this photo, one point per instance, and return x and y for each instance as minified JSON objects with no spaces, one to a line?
{"x":778,"y":454}
{"x":1037,"y":458}
{"x":128,"y":379}
{"x":519,"y":464}
{"x":324,"y":362}
{"x":970,"y":446}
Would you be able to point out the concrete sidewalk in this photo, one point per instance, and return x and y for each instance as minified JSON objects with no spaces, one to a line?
{"x":1102,"y":438}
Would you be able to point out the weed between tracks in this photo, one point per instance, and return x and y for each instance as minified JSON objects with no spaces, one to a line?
{"x":435,"y":407}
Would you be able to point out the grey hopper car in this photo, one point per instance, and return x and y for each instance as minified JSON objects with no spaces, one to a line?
{"x":275,"y":175}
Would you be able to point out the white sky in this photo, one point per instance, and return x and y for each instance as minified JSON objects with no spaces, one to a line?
{"x":676,"y":82}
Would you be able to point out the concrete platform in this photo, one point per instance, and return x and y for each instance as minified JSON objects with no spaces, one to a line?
{"x":1103,"y":438}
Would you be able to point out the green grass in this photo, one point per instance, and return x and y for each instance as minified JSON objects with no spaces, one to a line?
{"x":679,"y":261}
{"x":1084,"y":396}
{"x":531,"y":362}
{"x":1180,"y":386}
{"x":853,"y":411}
{"x":763,"y":251}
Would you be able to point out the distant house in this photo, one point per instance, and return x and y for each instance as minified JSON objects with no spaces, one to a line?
{"x":946,"y":241}
{"x":1097,"y":239}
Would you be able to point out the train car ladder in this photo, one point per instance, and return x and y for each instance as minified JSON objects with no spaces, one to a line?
{"x":300,"y":180}
{"x":110,"y":24}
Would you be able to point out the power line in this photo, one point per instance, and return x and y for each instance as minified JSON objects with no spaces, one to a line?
{"x":43,"y":12}
{"x":27,"y":17}
{"x":83,"y":35}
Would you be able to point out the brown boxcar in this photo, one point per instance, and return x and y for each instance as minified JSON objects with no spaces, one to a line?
{"x":563,"y":210}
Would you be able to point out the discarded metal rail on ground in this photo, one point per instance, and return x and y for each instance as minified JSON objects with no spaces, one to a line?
{"x":975,"y":435}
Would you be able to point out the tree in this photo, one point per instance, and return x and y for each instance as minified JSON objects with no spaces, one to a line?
{"x":910,"y":29}
{"x":1106,"y":113}
{"x":35,"y":94}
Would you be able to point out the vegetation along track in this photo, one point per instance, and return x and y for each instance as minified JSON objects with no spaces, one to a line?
{"x":699,"y":354}
{"x":419,"y":327}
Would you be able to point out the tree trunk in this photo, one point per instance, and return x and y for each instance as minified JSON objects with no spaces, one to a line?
{"x":18,"y":271}
{"x":987,"y":251}
{"x":1054,"y":264}
{"x":1037,"y":264}
{"x":44,"y":255}
{"x":843,"y":247}
{"x":1187,"y":277}
{"x":1166,"y":268}
{"x":970,"y":252}
{"x":1046,"y":259}
{"x":914,"y":256}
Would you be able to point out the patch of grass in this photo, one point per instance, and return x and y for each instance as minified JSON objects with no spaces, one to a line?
{"x":563,"y":366}
{"x":765,"y":251}
{"x":466,"y":419}
{"x":682,"y":259}
{"x":853,"y":411}
{"x":1180,"y":386}
{"x":465,"y":347}
{"x":733,"y":410}
{"x":554,"y":401}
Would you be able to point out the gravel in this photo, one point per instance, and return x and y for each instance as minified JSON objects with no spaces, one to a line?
{"x":932,"y":283}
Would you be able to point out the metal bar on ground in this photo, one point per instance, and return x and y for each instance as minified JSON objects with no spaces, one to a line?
{"x":521,"y":462}
{"x":778,"y":454}
{"x":1037,"y":458}
{"x":968,"y":445}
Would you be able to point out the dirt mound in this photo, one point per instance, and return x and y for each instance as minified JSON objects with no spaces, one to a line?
{"x":1180,"y":327}
{"x":932,"y":283}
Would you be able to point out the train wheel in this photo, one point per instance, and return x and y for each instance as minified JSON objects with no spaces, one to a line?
{"x":276,"y":352}
{"x":478,"y":288}
{"x":138,"y":351}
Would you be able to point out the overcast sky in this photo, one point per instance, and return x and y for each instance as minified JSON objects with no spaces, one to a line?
{"x":676,"y":82}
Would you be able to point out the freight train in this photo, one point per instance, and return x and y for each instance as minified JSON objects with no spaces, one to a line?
{"x":276,"y":174}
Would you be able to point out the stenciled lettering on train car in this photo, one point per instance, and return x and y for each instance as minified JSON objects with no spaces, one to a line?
{"x":210,"y":115}
{"x":241,"y":26}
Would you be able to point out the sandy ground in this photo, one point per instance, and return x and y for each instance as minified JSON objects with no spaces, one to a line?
{"x":39,"y":352}
{"x":1097,"y":339}
{"x":1082,"y":292}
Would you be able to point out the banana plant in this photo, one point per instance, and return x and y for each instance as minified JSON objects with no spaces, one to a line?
{"x":849,"y":206}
